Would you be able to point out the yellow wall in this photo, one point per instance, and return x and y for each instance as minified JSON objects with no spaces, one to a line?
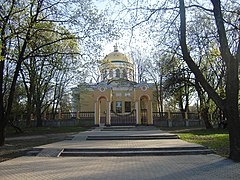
{"x":88,"y":99}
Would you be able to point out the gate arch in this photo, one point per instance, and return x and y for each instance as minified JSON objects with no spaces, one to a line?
{"x":102,"y":109}
{"x":143,"y":105}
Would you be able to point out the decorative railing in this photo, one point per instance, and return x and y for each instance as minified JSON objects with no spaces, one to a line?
{"x":162,"y":119}
{"x":89,"y":115}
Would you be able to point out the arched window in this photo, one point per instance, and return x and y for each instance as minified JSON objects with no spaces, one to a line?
{"x":125,"y":76}
{"x":131,"y":74}
{"x":117,"y":73}
{"x":111,"y":73}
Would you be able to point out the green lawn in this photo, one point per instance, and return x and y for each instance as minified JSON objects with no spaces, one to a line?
{"x":215,"y":139}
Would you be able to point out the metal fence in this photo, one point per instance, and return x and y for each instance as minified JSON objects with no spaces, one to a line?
{"x":162,"y":119}
{"x":177,"y":119}
{"x":123,"y":119}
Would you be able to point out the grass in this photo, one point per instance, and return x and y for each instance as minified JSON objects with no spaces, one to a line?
{"x":17,"y":144}
{"x":215,"y":139}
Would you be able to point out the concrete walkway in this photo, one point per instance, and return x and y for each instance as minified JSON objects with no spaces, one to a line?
{"x":47,"y":162}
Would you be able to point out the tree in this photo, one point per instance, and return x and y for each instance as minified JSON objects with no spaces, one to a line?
{"x":230,"y":104}
{"x":47,"y":73}
{"x":156,"y":75}
{"x":179,"y":84}
{"x":21,"y":20}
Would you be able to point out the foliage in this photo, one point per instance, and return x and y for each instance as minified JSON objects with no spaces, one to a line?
{"x":42,"y":40}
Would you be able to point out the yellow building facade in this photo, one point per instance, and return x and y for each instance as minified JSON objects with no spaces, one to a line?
{"x":117,"y":99}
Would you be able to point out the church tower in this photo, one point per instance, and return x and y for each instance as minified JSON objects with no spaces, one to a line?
{"x":117,"y":99}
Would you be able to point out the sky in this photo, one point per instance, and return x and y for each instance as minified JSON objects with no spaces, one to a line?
{"x":142,"y":42}
{"x":124,"y":43}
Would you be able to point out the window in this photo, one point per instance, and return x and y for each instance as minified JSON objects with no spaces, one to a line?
{"x":127,"y":106}
{"x":127,"y":94}
{"x":117,"y":73}
{"x":111,"y":73}
{"x":125,"y":74}
{"x":119,"y":106}
{"x":131,"y":75}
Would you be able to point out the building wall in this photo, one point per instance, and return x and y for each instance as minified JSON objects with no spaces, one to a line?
{"x":87,"y":100}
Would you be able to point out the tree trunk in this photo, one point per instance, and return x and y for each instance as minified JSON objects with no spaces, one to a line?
{"x":29,"y":113}
{"x":39,"y":117}
{"x":38,"y":110}
{"x":2,"y":135}
{"x":204,"y":115}
{"x":39,"y":121}
{"x":204,"y":107}
{"x":2,"y":113}
{"x":232,"y":113}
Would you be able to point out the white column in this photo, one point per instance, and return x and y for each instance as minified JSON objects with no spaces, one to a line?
{"x":109,"y":112}
{"x":136,"y":107}
{"x":151,"y":113}
{"x":95,"y":113}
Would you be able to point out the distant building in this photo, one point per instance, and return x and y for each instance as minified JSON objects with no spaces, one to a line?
{"x":117,"y":99}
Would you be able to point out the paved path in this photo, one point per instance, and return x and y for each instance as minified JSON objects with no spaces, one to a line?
{"x":176,"y":167}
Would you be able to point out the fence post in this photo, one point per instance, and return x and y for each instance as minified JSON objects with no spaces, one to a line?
{"x":169,"y":119}
{"x":169,"y":115}
{"x":45,"y":115}
{"x":186,"y":119}
{"x":169,"y":122}
{"x":59,"y":114}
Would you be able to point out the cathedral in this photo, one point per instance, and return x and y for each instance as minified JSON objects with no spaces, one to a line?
{"x":117,"y":99}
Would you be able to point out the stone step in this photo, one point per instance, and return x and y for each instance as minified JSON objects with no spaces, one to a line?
{"x":135,"y":149}
{"x":119,"y":127}
{"x":129,"y":128}
{"x":135,"y":152}
{"x":139,"y":137}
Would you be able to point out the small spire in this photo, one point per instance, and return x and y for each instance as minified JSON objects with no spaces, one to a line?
{"x":115,"y":48}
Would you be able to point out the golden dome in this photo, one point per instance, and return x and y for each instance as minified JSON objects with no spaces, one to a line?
{"x":116,"y":57}
{"x":116,"y":66}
